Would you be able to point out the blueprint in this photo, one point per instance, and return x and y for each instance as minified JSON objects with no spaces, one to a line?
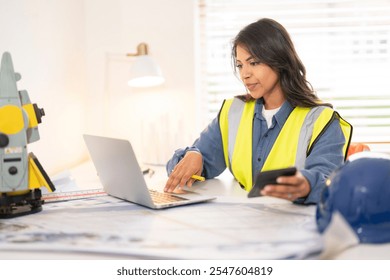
{"x":214,"y":230}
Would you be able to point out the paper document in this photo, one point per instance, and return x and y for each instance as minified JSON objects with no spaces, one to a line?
{"x":106,"y":225}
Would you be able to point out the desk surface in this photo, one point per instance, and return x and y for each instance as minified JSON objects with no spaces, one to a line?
{"x":231,"y":227}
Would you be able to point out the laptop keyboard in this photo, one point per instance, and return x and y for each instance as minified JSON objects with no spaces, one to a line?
{"x":163,"y":198}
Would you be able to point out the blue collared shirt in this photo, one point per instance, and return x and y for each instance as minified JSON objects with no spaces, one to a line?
{"x":326,"y":155}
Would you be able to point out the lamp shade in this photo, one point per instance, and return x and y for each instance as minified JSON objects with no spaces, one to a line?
{"x":145,"y":72}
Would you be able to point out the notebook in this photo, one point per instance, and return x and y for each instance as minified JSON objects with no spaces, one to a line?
{"x":122,"y":177}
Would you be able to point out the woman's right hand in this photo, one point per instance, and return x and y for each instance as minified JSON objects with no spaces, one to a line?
{"x":191,"y":164}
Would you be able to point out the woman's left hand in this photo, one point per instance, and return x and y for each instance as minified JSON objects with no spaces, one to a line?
{"x":289,"y":187}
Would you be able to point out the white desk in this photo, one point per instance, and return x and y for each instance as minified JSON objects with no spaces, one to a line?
{"x":231,"y":227}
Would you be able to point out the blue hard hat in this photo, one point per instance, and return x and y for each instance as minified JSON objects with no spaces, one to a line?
{"x":360,"y":191}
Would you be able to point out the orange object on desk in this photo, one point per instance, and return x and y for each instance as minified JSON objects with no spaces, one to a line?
{"x":356,"y":148}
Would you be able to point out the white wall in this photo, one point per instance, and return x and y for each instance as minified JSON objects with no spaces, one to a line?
{"x":156,"y":120}
{"x":71,"y":55}
{"x":46,"y":40}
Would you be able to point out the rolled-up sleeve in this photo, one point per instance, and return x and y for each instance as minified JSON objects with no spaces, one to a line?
{"x":209,"y":144}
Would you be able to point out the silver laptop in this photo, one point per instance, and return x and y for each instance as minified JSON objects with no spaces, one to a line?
{"x":122,"y":177}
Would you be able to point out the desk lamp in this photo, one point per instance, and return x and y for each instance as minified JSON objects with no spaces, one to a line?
{"x":144,"y":71}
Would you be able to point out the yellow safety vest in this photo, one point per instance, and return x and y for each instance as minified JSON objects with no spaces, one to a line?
{"x":302,"y":129}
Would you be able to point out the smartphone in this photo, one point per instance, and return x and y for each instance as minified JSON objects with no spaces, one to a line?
{"x":269,"y":178}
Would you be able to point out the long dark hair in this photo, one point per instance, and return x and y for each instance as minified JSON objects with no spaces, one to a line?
{"x":269,"y":43}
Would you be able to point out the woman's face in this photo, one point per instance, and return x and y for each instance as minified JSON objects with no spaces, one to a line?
{"x":259,"y":79}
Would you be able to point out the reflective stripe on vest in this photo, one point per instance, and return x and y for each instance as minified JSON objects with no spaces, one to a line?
{"x":233,"y":121}
{"x":302,"y":129}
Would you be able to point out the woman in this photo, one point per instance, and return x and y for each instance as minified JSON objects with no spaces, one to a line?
{"x":280,"y":122}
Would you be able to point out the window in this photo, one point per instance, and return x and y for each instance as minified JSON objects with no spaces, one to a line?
{"x":345,"y":46}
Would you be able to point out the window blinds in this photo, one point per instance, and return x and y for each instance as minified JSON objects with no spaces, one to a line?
{"x":345,"y":46}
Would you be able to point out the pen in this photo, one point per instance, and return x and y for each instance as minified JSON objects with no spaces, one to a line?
{"x":197,"y":177}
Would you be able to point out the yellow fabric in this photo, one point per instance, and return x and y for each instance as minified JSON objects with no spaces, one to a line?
{"x":325,"y":117}
{"x":322,"y":120}
{"x":284,"y":150}
{"x":242,"y":154}
{"x":223,"y":126}
{"x":347,"y":130}
{"x":11,"y":119}
{"x":241,"y":165}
